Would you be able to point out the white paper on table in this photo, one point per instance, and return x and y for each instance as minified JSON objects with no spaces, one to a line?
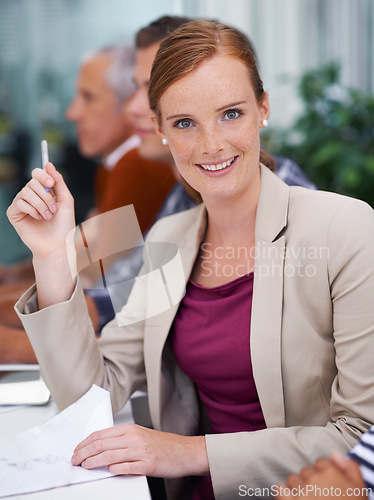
{"x":40,"y":458}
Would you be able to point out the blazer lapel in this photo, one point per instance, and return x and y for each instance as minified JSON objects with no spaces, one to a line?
{"x":158,"y":327}
{"x":271,"y":219}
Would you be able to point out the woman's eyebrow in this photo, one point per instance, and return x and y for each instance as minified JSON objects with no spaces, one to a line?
{"x":226,"y":106}
{"x":173,"y":117}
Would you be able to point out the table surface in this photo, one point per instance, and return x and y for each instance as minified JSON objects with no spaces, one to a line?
{"x":20,"y":418}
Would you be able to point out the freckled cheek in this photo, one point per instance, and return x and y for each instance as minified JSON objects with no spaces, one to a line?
{"x":248,"y":143}
{"x":182,"y":151}
{"x":242,"y":137}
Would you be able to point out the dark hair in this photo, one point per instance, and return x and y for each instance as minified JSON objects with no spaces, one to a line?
{"x":189,"y":46}
{"x":158,"y":30}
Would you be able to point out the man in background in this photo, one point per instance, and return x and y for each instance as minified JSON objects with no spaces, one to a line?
{"x":104,"y":130}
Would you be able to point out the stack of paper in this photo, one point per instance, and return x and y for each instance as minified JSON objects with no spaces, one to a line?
{"x":40,"y":458}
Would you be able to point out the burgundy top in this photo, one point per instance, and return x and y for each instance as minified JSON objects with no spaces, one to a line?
{"x":210,"y":341}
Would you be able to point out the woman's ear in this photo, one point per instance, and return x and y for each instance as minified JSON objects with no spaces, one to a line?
{"x":265,"y":107}
{"x":157,"y":126}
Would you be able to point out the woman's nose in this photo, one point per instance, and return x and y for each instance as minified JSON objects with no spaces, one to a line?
{"x":211,"y":142}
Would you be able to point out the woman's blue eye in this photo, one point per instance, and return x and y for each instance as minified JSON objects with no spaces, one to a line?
{"x":183,"y":123}
{"x":232,"y":114}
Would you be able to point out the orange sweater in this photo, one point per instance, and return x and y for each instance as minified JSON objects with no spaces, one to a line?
{"x":137,"y":181}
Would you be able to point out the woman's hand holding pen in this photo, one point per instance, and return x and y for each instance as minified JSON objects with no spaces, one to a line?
{"x":131,"y":449}
{"x":43,"y":221}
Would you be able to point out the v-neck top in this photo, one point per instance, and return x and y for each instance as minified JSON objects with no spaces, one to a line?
{"x":211,"y":342}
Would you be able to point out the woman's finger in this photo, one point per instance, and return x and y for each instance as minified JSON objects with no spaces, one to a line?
{"x":43,"y":177}
{"x":47,"y":196}
{"x":60,"y":188}
{"x":110,"y":432}
{"x":97,"y":447}
{"x":111,"y":456}
{"x":51,"y":178}
{"x":33,"y":200}
{"x":24,"y":209}
{"x":135,"y":468}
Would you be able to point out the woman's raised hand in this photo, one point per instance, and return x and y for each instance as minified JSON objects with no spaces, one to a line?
{"x":41,"y":219}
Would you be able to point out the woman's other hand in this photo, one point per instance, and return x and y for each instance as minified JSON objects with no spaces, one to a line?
{"x":131,"y":449}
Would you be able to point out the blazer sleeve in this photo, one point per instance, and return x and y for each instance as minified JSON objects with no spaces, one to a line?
{"x":70,"y":356}
{"x":263,"y":459}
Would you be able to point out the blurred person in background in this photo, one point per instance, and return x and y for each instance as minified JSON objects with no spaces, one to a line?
{"x":104,"y":130}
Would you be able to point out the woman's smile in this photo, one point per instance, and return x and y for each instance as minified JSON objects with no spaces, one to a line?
{"x":218,"y":167}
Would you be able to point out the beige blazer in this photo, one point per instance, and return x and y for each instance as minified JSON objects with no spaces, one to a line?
{"x":312,"y":342}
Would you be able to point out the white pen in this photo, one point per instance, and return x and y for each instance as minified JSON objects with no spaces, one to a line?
{"x":44,"y":149}
{"x":45,"y":156}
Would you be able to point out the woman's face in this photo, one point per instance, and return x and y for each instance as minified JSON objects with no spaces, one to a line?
{"x":211,"y":119}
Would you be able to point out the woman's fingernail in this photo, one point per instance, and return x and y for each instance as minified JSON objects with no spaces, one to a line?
{"x":54,"y":208}
{"x":48,"y":214}
{"x":49,"y":182}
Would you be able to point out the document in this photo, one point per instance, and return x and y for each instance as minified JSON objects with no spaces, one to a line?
{"x":39,"y":459}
